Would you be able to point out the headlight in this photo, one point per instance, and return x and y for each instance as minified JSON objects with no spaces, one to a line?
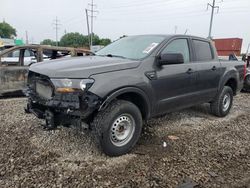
{"x":72,"y":85}
{"x":66,"y":83}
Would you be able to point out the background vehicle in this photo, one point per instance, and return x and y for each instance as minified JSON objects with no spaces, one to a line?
{"x":4,"y":47}
{"x":15,"y":61}
{"x":247,"y":80}
{"x":131,"y":80}
{"x":13,"y":57}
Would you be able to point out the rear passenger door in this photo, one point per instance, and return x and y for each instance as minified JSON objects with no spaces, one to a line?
{"x":208,"y":68}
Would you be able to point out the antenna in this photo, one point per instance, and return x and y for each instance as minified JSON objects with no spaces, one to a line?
{"x":186,"y":32}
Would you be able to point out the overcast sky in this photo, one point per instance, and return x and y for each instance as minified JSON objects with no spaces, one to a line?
{"x":128,"y":17}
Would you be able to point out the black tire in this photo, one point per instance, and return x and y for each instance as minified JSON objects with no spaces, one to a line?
{"x":218,"y":107}
{"x":104,"y":128}
{"x":247,"y":83}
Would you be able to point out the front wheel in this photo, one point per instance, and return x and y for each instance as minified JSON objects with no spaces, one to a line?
{"x":118,"y":127}
{"x":221,"y":106}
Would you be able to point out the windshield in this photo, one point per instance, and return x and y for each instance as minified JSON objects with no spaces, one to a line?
{"x":134,"y":47}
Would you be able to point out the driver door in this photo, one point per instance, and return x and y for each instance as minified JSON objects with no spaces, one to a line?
{"x":175,"y":85}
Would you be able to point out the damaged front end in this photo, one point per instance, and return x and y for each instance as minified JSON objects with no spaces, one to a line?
{"x":60,"y":101}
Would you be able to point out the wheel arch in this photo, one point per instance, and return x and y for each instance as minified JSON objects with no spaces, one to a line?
{"x":232,"y":83}
{"x":132,"y":94}
{"x":231,"y":80}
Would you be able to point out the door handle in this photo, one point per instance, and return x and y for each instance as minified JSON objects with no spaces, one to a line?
{"x":214,"y":68}
{"x":190,"y":71}
{"x":151,"y":75}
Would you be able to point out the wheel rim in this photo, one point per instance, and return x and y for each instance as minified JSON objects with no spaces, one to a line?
{"x":122,"y":130}
{"x":226,"y":102}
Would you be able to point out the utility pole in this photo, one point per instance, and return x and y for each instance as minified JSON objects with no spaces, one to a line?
{"x":92,"y":11}
{"x":87,"y":17}
{"x":92,"y":21}
{"x":27,"y":37}
{"x":212,"y":17}
{"x":56,"y":27}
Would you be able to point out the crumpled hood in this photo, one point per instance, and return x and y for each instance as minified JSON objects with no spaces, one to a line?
{"x":82,"y":67}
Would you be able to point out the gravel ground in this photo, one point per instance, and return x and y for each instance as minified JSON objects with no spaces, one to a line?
{"x":201,"y":151}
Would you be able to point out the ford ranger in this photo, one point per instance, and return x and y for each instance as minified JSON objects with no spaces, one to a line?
{"x":130,"y":81}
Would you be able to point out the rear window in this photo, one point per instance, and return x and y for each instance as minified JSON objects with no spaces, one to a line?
{"x":203,"y":50}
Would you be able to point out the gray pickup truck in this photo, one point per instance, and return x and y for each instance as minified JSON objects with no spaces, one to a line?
{"x":130,"y":81}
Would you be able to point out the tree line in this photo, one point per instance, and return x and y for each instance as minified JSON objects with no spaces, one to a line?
{"x":77,"y":40}
{"x":68,"y":40}
{"x":7,"y":31}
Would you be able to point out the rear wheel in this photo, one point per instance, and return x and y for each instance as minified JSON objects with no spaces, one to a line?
{"x":118,"y":127}
{"x":247,"y":83}
{"x":223,"y":103}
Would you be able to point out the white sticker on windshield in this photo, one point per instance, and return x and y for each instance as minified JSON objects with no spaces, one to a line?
{"x":150,"y":48}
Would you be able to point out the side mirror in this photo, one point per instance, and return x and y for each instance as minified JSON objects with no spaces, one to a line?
{"x":170,"y":58}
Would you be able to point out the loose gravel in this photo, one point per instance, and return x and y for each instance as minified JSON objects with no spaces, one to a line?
{"x":187,"y":148}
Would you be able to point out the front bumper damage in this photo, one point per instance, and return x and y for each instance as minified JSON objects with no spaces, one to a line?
{"x":63,"y":109}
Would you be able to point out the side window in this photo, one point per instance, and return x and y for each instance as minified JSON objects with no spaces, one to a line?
{"x":32,"y":54}
{"x":27,"y":53}
{"x":16,"y":53}
{"x":179,"y":46}
{"x":202,"y":50}
{"x":11,"y":59}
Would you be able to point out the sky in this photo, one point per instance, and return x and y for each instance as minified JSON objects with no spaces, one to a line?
{"x":116,"y":18}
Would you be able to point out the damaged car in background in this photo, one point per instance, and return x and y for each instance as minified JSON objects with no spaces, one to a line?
{"x":130,"y":81}
{"x":247,"y":81}
{"x":15,"y":62}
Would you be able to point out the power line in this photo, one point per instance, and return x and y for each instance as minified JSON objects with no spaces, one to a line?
{"x":145,"y":3}
{"x":159,"y":15}
{"x":213,"y":6}
{"x":56,"y":27}
{"x":183,"y":15}
{"x":159,"y":8}
{"x":166,"y":15}
{"x":139,"y":9}
{"x":133,"y":3}
{"x":200,"y":13}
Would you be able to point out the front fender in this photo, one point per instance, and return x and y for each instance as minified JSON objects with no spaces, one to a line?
{"x":113,"y":95}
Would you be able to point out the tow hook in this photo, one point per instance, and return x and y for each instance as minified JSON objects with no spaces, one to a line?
{"x":69,"y":111}
{"x":27,"y":109}
{"x":50,"y":120}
